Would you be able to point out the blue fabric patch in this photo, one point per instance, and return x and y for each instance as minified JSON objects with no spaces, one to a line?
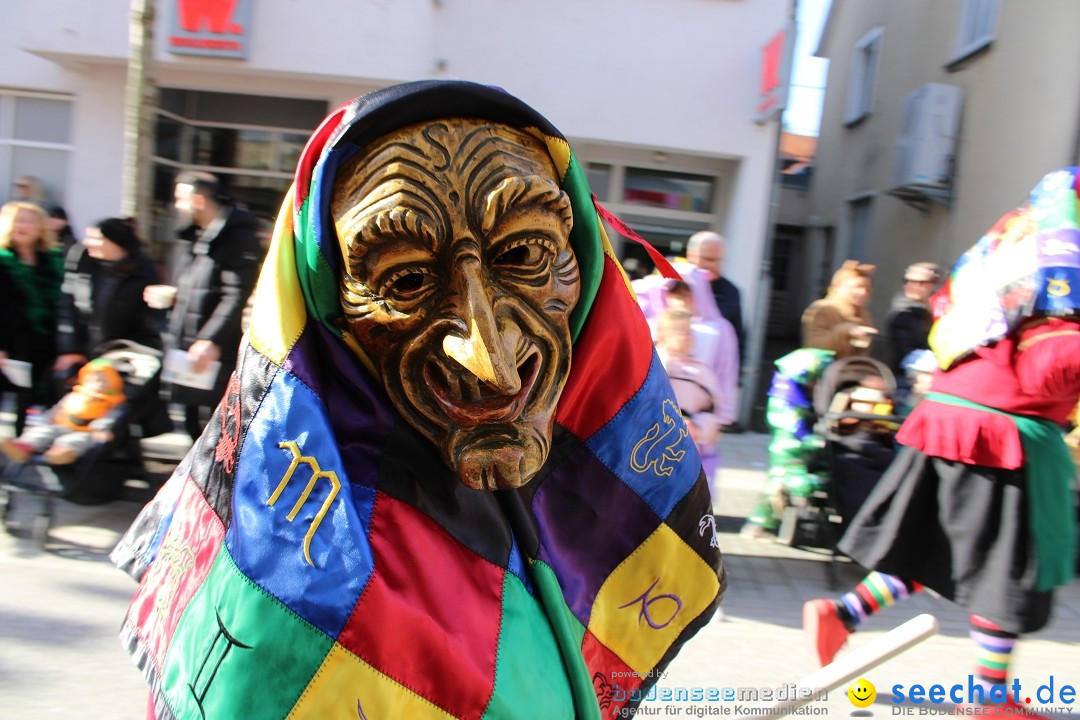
{"x":291,"y":432}
{"x":661,"y":464}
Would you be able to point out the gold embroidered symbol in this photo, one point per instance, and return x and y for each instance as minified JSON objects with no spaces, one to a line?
{"x":175,"y":561}
{"x":1058,"y":287}
{"x":316,"y":473}
{"x":646,"y":454}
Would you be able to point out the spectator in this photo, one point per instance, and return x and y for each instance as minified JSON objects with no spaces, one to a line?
{"x":101,"y":301}
{"x":694,"y":383}
{"x":908,"y":323}
{"x":215,"y":266}
{"x":102,"y":294}
{"x":27,"y":188}
{"x":841,"y":321}
{"x":715,"y":343}
{"x":31,"y":271}
{"x":83,"y":417}
{"x":59,"y":224}
{"x":706,"y":250}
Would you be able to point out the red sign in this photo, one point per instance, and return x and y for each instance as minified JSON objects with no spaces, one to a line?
{"x":775,"y":70}
{"x":209,"y":27}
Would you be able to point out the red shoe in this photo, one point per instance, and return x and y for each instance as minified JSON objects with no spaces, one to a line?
{"x":827,"y":632}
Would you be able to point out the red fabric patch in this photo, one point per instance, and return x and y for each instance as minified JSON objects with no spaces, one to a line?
{"x":188,"y":551}
{"x":432,"y":611}
{"x":312,"y":152}
{"x":613,"y":680}
{"x":610,"y":358}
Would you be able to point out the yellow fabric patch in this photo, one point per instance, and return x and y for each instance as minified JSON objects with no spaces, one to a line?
{"x":327,"y":696}
{"x":650,"y":598}
{"x":277,"y":314}
{"x":558,"y":148}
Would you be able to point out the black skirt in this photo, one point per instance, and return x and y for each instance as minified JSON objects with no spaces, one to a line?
{"x":959,"y":529}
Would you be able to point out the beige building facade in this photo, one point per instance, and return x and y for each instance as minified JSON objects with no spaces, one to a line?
{"x":939,"y":116}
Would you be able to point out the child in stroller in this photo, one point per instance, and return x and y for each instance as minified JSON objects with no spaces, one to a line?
{"x":858,"y":422}
{"x":82,"y":417}
{"x":53,"y":460}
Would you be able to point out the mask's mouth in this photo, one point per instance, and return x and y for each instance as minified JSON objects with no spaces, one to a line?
{"x":468,"y":401}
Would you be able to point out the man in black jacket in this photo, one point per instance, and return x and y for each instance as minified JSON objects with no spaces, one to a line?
{"x":909,"y":320}
{"x":216,"y":262}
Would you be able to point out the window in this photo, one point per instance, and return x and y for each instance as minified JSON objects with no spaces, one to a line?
{"x":862,"y":77}
{"x":977,"y":27}
{"x":859,"y":226}
{"x":660,"y":189}
{"x":35,"y":140}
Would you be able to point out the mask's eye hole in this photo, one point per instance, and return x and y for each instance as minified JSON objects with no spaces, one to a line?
{"x":409,"y":283}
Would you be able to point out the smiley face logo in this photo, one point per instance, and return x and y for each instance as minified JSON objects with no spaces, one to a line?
{"x":862,"y":693}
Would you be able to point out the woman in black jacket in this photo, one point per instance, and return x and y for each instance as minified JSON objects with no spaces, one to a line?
{"x":102,"y":297}
{"x":102,"y":300}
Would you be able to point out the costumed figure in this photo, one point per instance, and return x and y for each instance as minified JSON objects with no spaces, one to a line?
{"x":979,"y":503}
{"x":793,"y":445}
{"x":83,"y":417}
{"x":428,"y":491}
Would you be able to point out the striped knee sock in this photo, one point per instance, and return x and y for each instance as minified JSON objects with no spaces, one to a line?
{"x":877,"y":590}
{"x":993,"y":651}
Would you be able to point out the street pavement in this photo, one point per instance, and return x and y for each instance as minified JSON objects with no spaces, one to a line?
{"x":60,"y":611}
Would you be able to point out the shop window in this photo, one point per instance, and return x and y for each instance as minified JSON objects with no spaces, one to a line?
{"x":673,"y":191}
{"x":862,"y":77}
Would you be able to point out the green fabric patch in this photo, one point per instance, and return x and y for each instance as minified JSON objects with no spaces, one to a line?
{"x":585,"y":239}
{"x":239,"y":671}
{"x":529,"y":670}
{"x":569,"y":633}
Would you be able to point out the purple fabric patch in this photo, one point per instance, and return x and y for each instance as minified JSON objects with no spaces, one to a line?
{"x":589,"y":522}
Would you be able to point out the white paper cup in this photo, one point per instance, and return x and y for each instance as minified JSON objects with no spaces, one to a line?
{"x":18,"y":372}
{"x":160,"y":297}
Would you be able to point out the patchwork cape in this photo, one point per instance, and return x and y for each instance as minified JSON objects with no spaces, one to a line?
{"x":313,"y":557}
{"x":1027,"y":264}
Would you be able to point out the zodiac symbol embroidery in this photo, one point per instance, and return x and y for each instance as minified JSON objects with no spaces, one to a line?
{"x":709,"y":522}
{"x":316,"y":473}
{"x":646,"y":602}
{"x":175,"y":561}
{"x":225,"y":450}
{"x":604,"y":692}
{"x":1058,"y":287}
{"x":210,"y":665}
{"x":644,"y":455}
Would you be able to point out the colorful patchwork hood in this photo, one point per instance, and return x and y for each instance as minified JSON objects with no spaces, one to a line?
{"x":1027,"y":264}
{"x":313,"y":557}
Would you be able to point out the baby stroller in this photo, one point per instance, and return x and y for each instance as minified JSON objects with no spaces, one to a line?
{"x":856,"y":419}
{"x":99,"y":475}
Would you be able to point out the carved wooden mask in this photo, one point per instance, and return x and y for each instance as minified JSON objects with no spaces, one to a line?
{"x":459,"y":282}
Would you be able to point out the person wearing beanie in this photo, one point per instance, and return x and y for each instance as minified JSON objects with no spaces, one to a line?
{"x":101,"y":298}
{"x":841,"y":321}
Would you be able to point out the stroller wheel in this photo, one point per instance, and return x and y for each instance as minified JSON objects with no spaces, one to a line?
{"x":40,"y":529}
{"x":789,"y":526}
